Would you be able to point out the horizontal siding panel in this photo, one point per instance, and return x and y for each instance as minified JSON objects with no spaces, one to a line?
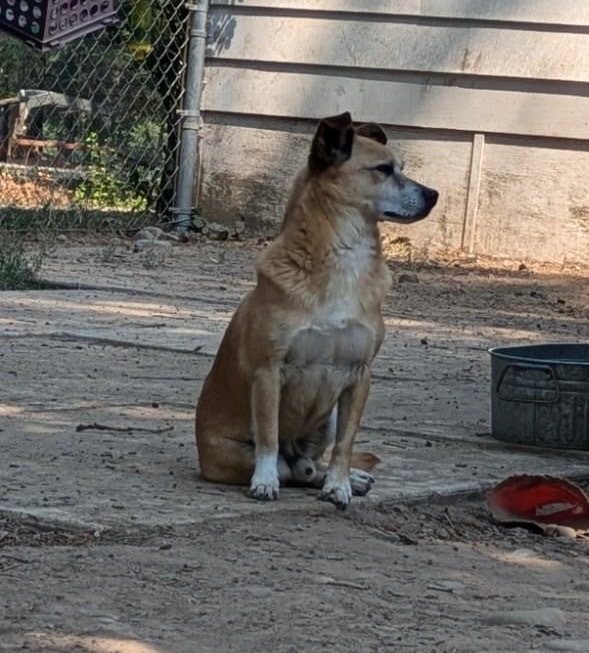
{"x":297,"y":95}
{"x":534,"y":203}
{"x":569,"y":12}
{"x":402,"y":46}
{"x":249,"y":171}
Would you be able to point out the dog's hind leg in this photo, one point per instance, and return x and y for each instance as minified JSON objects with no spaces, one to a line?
{"x":360,"y":481}
{"x":232,"y":462}
{"x":305,"y":459}
{"x":225,"y":460}
{"x":308,"y":473}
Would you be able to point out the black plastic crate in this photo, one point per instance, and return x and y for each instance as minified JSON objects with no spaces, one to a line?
{"x":48,"y":24}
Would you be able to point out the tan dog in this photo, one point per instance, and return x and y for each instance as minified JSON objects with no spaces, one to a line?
{"x":293,"y":370}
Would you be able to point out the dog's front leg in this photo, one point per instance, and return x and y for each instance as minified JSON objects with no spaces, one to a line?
{"x":265,"y":403}
{"x":337,"y":488}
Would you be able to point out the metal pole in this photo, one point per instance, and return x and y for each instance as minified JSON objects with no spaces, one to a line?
{"x":190,"y":116}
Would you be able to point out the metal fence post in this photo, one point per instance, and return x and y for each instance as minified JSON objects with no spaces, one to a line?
{"x":190,"y":116}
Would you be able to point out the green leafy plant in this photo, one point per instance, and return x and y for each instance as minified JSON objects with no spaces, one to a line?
{"x":103,"y":186}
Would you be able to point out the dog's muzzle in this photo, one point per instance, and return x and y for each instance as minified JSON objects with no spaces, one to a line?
{"x":429,"y":197}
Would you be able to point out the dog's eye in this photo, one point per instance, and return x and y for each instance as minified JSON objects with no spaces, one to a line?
{"x":386,"y":169}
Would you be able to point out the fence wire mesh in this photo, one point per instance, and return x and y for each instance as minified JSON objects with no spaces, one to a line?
{"x":89,"y":134}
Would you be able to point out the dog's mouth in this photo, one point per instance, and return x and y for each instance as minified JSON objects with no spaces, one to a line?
{"x":431,"y":198}
{"x":407,"y":219}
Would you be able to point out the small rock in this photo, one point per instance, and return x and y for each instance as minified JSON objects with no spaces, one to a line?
{"x":423,"y":341}
{"x":522,"y":267}
{"x":238,"y":227}
{"x":216,"y":231}
{"x":157,"y":234}
{"x":148,"y":233}
{"x":62,"y":238}
{"x":142,"y":245}
{"x":556,"y":530}
{"x":571,"y":645}
{"x":536,"y":293}
{"x":198,"y":222}
{"x":547,"y":617}
{"x":408,"y":277}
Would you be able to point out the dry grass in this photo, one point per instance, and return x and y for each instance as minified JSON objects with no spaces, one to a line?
{"x":29,"y":193}
{"x":18,"y":268}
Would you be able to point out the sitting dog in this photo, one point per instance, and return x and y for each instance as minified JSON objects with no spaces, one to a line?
{"x":292,"y":374}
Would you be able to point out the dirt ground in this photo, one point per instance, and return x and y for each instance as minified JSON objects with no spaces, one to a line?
{"x":411,"y":579}
{"x":110,"y":542}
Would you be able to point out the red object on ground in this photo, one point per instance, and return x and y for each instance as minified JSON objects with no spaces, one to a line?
{"x":540,"y":500}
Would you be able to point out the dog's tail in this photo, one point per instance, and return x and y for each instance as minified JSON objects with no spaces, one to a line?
{"x":360,"y":459}
{"x":364,"y":460}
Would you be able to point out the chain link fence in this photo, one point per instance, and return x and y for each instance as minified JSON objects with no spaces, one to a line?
{"x":90,"y":133}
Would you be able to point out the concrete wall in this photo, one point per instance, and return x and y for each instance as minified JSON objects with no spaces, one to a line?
{"x":486,"y":101}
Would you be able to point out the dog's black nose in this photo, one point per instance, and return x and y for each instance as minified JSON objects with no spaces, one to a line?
{"x":430,"y":195}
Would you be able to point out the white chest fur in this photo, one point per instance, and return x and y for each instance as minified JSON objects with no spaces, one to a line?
{"x":341,"y":300}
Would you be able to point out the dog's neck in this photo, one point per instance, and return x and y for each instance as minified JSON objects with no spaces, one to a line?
{"x":319,"y":215}
{"x":325,"y":243}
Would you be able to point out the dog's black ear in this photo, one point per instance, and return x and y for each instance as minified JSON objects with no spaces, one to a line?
{"x":332,"y":143}
{"x":371,"y":130}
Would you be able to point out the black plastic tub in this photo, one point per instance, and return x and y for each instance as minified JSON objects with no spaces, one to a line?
{"x":540,"y":395}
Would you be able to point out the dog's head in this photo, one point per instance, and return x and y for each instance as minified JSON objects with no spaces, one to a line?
{"x":366,"y":172}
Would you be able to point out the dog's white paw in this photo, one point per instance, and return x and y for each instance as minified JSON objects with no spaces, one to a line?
{"x":264,"y":491}
{"x":336,"y":491}
{"x":265,"y":484}
{"x":360,"y":481}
